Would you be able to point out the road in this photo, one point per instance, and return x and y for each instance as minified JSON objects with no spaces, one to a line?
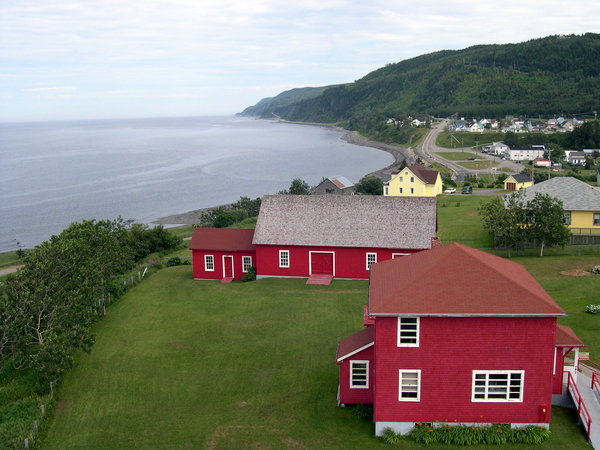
{"x":429,"y":151}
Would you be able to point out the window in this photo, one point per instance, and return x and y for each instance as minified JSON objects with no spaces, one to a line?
{"x":412,"y":190}
{"x":246,"y":263}
{"x":371,"y":259}
{"x":596,"y":218}
{"x":412,"y":179}
{"x":400,"y":190}
{"x":387,"y":190}
{"x":409,"y":385}
{"x":209,"y":263}
{"x":284,"y":258}
{"x":401,"y":179}
{"x":408,"y":331}
{"x":397,"y":255}
{"x":567,"y":218}
{"x":359,"y":374}
{"x":498,"y":386}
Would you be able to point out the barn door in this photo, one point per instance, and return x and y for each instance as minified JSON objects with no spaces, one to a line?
{"x":321,"y":263}
{"x":227,"y":266}
{"x":511,"y":186}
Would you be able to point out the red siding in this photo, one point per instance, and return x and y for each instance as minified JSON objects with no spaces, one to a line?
{"x":217,"y":274}
{"x":348,"y":262}
{"x":449,"y":350}
{"x":350,"y":395}
{"x":559,"y":369}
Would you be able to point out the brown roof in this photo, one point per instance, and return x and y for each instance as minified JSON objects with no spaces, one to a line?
{"x":354,"y":343}
{"x":226,"y":239}
{"x":425,"y":175}
{"x":346,"y":221}
{"x":565,"y":337}
{"x":456,"y":280}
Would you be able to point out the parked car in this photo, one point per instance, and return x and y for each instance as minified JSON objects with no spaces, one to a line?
{"x":450,"y":191}
{"x":467,"y":190}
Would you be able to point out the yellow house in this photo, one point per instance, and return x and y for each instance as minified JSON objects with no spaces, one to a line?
{"x":414,"y":180}
{"x":517,"y":181}
{"x":580,"y":200}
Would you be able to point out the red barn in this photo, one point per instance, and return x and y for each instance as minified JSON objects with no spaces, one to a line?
{"x":459,"y":336}
{"x":222,"y":253}
{"x":339,"y":236}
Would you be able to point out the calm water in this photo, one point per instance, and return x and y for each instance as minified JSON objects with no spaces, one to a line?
{"x":54,"y":173}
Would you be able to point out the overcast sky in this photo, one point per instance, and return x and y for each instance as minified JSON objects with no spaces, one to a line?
{"x":146,"y":58}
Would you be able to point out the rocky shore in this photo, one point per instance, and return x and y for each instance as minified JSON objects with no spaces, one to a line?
{"x":352,"y":137}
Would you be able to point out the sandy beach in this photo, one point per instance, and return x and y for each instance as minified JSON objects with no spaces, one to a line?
{"x":352,"y":137}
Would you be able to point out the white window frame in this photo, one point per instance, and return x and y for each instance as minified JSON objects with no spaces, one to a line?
{"x":284,"y":259}
{"x":412,"y":179}
{"x":209,"y":260}
{"x":402,"y":388}
{"x":400,"y":191}
{"x":412,"y":190}
{"x":485,"y":388}
{"x":567,"y":218}
{"x":387,"y":190}
{"x":395,"y":255}
{"x":400,"y":180}
{"x":596,"y":219}
{"x":359,"y":374}
{"x":405,"y":331}
{"x":246,"y":265}
{"x":373,"y":256}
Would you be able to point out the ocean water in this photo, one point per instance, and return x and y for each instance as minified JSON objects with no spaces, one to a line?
{"x":55,"y":173}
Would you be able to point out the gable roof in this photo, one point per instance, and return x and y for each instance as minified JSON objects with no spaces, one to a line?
{"x":341,"y":182}
{"x":520,"y":177}
{"x":456,"y":280}
{"x":355,"y":343}
{"x":346,"y":221}
{"x":574,"y":194}
{"x":226,"y":239}
{"x":566,"y":337}
{"x":425,"y":175}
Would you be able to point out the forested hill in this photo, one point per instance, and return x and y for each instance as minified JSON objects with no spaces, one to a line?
{"x":268,"y":105}
{"x":541,"y":77}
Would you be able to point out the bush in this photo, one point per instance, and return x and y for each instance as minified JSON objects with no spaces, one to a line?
{"x":174,"y":261}
{"x":250,"y":275}
{"x":596,"y":270}
{"x":497,"y":434}
{"x":364,"y":412}
{"x":592,"y":309}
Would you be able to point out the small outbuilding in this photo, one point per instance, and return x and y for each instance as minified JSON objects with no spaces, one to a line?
{"x":517,"y":181}
{"x":335,"y":185}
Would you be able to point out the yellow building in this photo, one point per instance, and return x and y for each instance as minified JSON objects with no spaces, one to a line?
{"x":414,"y":180}
{"x":580,"y":200}
{"x":518,"y":181}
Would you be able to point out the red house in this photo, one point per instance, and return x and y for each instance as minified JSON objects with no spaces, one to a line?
{"x":222,"y":253}
{"x":339,"y":236}
{"x":458,"y":336}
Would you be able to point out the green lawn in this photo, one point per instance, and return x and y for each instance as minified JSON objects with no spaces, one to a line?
{"x":479,"y":165}
{"x":186,"y":364}
{"x":466,"y":139}
{"x":458,"y":220}
{"x":9,"y":259}
{"x":456,"y":156}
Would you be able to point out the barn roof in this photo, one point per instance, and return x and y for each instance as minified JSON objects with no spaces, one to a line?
{"x":520,"y":177}
{"x":346,"y":221}
{"x":226,"y":239}
{"x":574,"y":194}
{"x":565,"y":337}
{"x":355,"y":343}
{"x":456,"y":280}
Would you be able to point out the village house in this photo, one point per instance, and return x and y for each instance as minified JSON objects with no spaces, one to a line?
{"x":446,"y":346}
{"x":517,"y":181}
{"x":335,"y":185}
{"x":576,"y":158}
{"x":414,"y":180}
{"x":524,"y":154}
{"x":580,"y":200}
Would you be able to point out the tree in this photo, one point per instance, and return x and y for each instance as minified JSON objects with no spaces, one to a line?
{"x":546,"y":221}
{"x":299,"y":187}
{"x":369,"y":185}
{"x":504,"y":220}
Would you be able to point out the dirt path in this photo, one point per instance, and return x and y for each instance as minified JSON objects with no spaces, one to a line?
{"x":11,"y":269}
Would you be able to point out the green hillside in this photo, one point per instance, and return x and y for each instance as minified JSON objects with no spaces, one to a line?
{"x":541,"y":77}
{"x":266,"y":106}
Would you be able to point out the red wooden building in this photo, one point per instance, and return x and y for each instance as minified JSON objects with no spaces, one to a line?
{"x":222,"y":253}
{"x":339,"y":236}
{"x":455,"y":336}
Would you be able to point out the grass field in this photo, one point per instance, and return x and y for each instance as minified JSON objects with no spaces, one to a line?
{"x":479,"y":165}
{"x":9,"y":259}
{"x":466,"y":139}
{"x":456,"y":156}
{"x":185,"y":364}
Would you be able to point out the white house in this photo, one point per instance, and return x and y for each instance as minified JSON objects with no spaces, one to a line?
{"x":524,"y":154}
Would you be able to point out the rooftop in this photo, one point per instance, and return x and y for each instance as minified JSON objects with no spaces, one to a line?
{"x":226,"y":239}
{"x":574,"y":194}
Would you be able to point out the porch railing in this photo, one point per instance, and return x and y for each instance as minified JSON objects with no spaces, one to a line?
{"x":582,"y":411}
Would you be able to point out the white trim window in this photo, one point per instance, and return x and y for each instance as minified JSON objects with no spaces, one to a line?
{"x":397,"y":255}
{"x":412,"y":190}
{"x":246,"y":263}
{"x":409,"y":385}
{"x":209,"y":263}
{"x":596,"y":219}
{"x":498,"y":385}
{"x":387,"y":190}
{"x":371,"y":259}
{"x":284,"y":258}
{"x":359,"y":374}
{"x":408,"y":331}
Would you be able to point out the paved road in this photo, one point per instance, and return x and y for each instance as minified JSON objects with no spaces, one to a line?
{"x":7,"y":270}
{"x":430,"y":152}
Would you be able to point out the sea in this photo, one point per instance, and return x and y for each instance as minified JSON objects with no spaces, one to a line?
{"x":56,"y":173}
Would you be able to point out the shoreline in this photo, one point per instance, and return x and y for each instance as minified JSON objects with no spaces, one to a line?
{"x":351,"y":137}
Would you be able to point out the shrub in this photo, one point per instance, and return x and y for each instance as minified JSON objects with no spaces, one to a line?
{"x":497,"y":434}
{"x":592,"y":309}
{"x":390,"y":437}
{"x":250,"y":275}
{"x":364,"y":412}
{"x":174,"y":261}
{"x":596,"y":270}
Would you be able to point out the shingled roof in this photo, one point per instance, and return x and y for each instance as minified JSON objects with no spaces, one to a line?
{"x":574,"y":194}
{"x":355,"y":343}
{"x":425,"y":175}
{"x":566,"y":337}
{"x":455,"y":280}
{"x":521,"y":177}
{"x":225,"y":239}
{"x":346,"y":221}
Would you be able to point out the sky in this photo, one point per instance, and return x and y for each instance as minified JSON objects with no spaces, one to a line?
{"x":92,"y":59}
